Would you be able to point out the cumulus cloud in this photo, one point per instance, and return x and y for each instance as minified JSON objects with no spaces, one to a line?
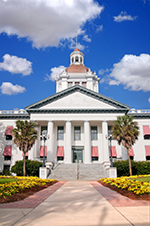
{"x":149,"y":99}
{"x":9,"y":89}
{"x":123,"y":16}
{"x":133,"y":72}
{"x":46,"y":22}
{"x":55,"y":71}
{"x":16,"y":65}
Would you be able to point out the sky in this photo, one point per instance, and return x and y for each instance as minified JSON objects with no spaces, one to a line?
{"x":37,"y":37}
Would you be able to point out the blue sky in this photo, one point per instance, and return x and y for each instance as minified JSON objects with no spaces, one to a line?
{"x":37,"y":37}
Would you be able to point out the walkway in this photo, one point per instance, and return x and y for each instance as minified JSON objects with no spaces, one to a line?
{"x":75,"y":203}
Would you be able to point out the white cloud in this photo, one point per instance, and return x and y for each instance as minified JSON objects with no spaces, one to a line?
{"x":46,"y":22}
{"x":86,"y":38}
{"x":55,"y":71}
{"x":103,"y":71}
{"x":99,"y":28}
{"x":133,"y":72}
{"x":123,"y":16}
{"x":149,"y":99}
{"x":9,"y":89}
{"x":16,"y":65}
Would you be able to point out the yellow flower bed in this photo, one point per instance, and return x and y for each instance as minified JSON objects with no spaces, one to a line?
{"x":8,"y":189}
{"x":128,"y":183}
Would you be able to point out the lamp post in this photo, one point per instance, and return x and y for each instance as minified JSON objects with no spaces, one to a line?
{"x":110,"y":139}
{"x":44,"y":137}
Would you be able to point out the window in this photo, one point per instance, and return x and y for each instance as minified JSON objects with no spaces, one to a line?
{"x":77,"y":83}
{"x":69,"y":84}
{"x":7,"y":157}
{"x":43,"y":128}
{"x":84,"y":84}
{"x":146,"y":137}
{"x":81,"y":59}
{"x":77,"y":133}
{"x":8,"y":137}
{"x":72,"y":59}
{"x":93,"y":132}
{"x":60,"y":133}
{"x":76,"y":59}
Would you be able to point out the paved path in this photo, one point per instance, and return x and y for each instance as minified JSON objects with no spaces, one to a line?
{"x":76,"y":203}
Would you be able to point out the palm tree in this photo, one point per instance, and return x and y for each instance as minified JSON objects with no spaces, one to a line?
{"x":24,"y":137}
{"x":126,"y":132}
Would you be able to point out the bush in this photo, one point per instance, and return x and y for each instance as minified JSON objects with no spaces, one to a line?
{"x":138,"y":168}
{"x":32,"y":168}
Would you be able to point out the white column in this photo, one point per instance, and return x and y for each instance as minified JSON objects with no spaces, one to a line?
{"x":87,"y":143}
{"x":105,"y":141}
{"x":50,"y":142}
{"x":68,"y":149}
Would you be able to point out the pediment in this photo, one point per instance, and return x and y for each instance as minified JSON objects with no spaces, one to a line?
{"x":77,"y":98}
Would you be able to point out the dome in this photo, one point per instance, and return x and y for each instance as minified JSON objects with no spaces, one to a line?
{"x":73,"y":68}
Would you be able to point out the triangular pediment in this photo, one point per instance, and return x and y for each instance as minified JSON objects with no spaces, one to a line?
{"x":77,"y":98}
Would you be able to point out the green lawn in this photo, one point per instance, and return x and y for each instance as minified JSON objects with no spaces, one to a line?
{"x":143,"y":179}
{"x":7,"y":180}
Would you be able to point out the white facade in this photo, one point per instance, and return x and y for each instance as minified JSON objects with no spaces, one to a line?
{"x":77,"y":119}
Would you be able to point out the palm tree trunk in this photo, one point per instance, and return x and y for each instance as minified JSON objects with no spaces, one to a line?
{"x":130,"y":168}
{"x":24,"y":166}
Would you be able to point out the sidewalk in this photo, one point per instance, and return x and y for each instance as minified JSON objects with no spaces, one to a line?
{"x":75,"y":203}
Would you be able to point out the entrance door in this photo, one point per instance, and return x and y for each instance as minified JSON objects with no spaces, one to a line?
{"x":77,"y":156}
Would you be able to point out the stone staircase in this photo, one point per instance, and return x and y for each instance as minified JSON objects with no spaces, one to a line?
{"x":78,"y":171}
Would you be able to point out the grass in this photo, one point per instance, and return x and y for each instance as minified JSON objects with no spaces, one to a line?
{"x":7,"y":180}
{"x":143,"y":179}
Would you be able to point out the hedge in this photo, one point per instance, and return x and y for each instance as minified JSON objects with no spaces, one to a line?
{"x":138,"y":168}
{"x":32,"y":168}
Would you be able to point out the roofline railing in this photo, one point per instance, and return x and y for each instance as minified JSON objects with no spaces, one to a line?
{"x":19,"y":111}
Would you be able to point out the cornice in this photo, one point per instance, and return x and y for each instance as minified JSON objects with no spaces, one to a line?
{"x":77,"y":111}
{"x":14,"y":116}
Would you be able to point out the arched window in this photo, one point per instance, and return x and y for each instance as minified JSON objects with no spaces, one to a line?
{"x":72,"y":59}
{"x":76,"y":59}
{"x":80,"y":59}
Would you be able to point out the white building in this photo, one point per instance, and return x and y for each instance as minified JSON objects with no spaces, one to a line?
{"x":77,"y":119}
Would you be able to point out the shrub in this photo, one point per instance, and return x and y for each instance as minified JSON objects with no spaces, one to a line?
{"x":138,"y":168}
{"x":32,"y":168}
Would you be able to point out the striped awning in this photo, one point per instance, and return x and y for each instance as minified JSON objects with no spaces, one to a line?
{"x":147,"y":150}
{"x":146,"y":130}
{"x":60,"y":151}
{"x":42,"y":151}
{"x":7,"y":151}
{"x":131,"y":152}
{"x":94,"y":151}
{"x":8,"y":130}
{"x":114,"y":152}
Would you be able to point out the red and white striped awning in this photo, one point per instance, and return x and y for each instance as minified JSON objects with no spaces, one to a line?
{"x":131,"y":152}
{"x":146,"y":130}
{"x":42,"y":151}
{"x":8,"y":130}
{"x":7,"y":151}
{"x":114,"y":152}
{"x":94,"y":151}
{"x":147,"y":150}
{"x":60,"y":151}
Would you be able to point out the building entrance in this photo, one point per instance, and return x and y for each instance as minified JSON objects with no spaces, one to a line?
{"x":77,"y":155}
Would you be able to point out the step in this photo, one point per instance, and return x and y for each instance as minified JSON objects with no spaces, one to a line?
{"x":78,"y":171}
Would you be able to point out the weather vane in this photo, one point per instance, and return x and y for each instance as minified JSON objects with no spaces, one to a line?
{"x":76,"y":38}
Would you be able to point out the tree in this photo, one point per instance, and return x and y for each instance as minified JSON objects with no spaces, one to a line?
{"x":24,"y":137}
{"x":126,"y":132}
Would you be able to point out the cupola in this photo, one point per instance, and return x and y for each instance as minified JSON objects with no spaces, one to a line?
{"x":76,"y":57}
